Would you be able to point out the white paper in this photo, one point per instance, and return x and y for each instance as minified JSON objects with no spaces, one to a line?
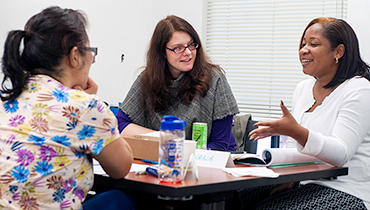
{"x":263,"y":144}
{"x":213,"y":158}
{"x":252,"y":171}
{"x":287,"y":156}
{"x":191,"y":162}
{"x":138,"y":167}
{"x":279,"y":157}
{"x":98,"y":169}
{"x":151,"y":134}
{"x":195,"y":167}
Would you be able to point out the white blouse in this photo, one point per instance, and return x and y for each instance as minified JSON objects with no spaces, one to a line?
{"x":338,"y":132}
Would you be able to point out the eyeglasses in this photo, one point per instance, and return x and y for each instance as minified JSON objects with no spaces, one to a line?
{"x":182,"y":49}
{"x":94,"y":51}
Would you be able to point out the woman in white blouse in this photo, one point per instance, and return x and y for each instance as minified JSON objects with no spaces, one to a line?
{"x":329,"y":120}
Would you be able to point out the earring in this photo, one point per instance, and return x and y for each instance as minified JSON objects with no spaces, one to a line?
{"x":336,"y":60}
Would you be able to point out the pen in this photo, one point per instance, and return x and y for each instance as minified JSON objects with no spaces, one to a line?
{"x":150,"y":161}
{"x":237,"y":152}
{"x":163,"y":162}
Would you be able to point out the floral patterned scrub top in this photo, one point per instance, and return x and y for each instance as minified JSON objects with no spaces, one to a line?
{"x":46,"y":136}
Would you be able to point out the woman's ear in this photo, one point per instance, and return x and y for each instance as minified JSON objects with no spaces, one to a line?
{"x":339,"y":51}
{"x":75,"y":57}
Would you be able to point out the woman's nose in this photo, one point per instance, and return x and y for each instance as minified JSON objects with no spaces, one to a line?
{"x":187,"y":51}
{"x":304,"y":50}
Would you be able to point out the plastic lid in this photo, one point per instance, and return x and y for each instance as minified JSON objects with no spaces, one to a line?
{"x":172,"y":123}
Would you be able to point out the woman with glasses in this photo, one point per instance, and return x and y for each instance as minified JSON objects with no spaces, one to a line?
{"x":180,"y":80}
{"x":51,"y":124}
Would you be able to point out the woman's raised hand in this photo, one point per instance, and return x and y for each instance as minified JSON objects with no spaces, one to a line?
{"x":286,"y":125}
{"x":91,"y":88}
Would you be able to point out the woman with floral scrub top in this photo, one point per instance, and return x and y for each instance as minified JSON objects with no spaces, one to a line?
{"x":51,"y":123}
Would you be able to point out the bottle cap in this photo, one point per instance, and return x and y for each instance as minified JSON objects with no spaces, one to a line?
{"x":172,"y":123}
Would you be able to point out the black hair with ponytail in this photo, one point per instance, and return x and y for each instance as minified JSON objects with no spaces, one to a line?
{"x":46,"y":40}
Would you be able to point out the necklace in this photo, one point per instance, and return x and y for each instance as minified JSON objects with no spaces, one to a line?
{"x":320,"y":97}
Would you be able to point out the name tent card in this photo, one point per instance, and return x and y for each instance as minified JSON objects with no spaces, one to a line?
{"x":213,"y":159}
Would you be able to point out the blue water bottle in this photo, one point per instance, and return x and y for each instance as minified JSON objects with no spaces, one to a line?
{"x":171,"y":149}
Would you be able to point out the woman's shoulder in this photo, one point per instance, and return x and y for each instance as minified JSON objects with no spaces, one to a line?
{"x":44,"y":86}
{"x":218,"y":78}
{"x":358,"y":81}
{"x":218,"y":74}
{"x":81,"y":96}
{"x":356,"y":85}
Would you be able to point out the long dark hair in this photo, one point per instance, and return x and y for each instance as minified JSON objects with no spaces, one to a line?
{"x":338,"y":32}
{"x":156,"y":77}
{"x":48,"y":37}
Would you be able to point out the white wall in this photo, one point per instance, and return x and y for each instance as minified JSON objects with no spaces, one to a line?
{"x":358,"y":17}
{"x":116,"y":27}
{"x":125,"y":27}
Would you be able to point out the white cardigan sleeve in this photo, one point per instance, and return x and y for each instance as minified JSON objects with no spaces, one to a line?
{"x":350,"y":127}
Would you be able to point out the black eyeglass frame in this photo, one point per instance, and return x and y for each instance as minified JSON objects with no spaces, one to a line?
{"x":191,"y":46}
{"x":93,"y":50}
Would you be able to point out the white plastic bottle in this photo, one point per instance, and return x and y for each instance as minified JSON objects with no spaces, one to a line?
{"x":171,"y":149}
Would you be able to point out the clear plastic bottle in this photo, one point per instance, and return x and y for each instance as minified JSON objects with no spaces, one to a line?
{"x":171,"y":149}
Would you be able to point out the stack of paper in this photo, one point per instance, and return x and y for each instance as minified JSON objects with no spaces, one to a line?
{"x":251,"y":171}
{"x":276,"y":157}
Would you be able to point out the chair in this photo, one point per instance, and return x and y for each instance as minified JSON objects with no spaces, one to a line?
{"x":240,"y":122}
{"x":250,"y":145}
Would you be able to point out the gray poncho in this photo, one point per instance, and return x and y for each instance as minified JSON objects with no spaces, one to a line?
{"x":218,"y":103}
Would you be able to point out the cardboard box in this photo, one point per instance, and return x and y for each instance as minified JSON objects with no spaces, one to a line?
{"x":144,"y":146}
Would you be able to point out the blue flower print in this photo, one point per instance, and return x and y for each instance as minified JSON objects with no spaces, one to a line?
{"x":87,"y":131}
{"x":36,"y":140}
{"x":98,"y":146}
{"x":61,"y":140}
{"x":13,"y":189}
{"x":11,"y":106}
{"x":93,"y":104}
{"x":59,"y":195}
{"x":20,"y":173}
{"x":79,"y":154}
{"x":83,"y":147}
{"x":16,"y":146}
{"x":60,"y":95}
{"x":71,"y":125}
{"x":43,"y":168}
